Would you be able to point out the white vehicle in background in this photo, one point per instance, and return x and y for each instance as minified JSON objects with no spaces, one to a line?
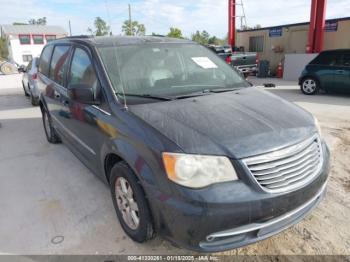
{"x":30,"y":81}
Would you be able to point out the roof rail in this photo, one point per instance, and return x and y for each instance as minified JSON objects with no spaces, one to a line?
{"x":78,"y":36}
{"x":157,"y":35}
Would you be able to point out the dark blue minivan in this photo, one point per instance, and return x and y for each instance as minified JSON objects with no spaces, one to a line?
{"x":190,"y":150}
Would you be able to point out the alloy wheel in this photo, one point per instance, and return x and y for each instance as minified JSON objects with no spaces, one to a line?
{"x":309,"y":86}
{"x":127,"y":204}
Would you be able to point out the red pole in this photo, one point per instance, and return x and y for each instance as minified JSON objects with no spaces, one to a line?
{"x":311,"y":38}
{"x":232,"y":23}
{"x":320,"y":25}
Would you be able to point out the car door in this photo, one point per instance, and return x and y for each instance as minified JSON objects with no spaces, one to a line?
{"x":81,"y":119}
{"x":324,"y":67}
{"x":57,"y":91}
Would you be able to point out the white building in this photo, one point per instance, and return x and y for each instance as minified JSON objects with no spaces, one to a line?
{"x":26,"y":41}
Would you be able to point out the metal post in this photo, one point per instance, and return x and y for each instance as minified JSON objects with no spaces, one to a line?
{"x":320,"y":26}
{"x":317,"y":26}
{"x":311,"y":38}
{"x":130,"y":22}
{"x":232,"y":23}
{"x":70,"y":29}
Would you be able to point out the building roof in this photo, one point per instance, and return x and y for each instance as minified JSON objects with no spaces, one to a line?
{"x":32,"y":29}
{"x":295,"y":24}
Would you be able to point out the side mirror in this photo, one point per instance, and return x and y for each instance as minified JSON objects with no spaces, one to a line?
{"x":82,"y":93}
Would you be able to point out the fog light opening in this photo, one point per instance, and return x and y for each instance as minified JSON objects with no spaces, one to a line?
{"x":210,"y":238}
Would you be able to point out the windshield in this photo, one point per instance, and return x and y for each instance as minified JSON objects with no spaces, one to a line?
{"x":167,"y":69}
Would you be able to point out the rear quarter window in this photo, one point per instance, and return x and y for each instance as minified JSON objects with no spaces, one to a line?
{"x":44,"y":63}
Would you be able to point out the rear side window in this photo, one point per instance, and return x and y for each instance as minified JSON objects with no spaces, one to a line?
{"x":59,"y":63}
{"x":82,"y":71}
{"x":327,"y":59}
{"x":44,"y":64}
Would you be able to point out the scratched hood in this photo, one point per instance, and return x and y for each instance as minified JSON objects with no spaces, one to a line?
{"x":237,"y":124}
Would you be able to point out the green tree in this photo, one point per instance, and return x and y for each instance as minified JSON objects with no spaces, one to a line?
{"x":101,"y":27}
{"x":175,"y":33}
{"x":39,"y":21}
{"x":201,"y":37}
{"x":244,"y":27}
{"x":213,"y":40}
{"x":19,"y":23}
{"x":3,"y":48}
{"x":134,"y":28}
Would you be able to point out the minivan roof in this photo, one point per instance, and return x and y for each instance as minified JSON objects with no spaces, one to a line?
{"x":120,"y":40}
{"x":336,"y":51}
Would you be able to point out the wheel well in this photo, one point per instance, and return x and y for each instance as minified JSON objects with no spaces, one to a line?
{"x":110,"y":161}
{"x":41,"y":106}
{"x":311,"y":77}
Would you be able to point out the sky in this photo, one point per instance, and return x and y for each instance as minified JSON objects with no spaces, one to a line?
{"x":159,"y":15}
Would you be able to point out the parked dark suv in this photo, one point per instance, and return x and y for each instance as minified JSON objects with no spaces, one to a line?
{"x":189,"y":149}
{"x":329,"y":71}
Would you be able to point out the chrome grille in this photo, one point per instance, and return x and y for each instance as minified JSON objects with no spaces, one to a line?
{"x":289,"y":168}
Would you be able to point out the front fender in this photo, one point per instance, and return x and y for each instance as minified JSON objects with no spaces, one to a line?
{"x":138,"y":160}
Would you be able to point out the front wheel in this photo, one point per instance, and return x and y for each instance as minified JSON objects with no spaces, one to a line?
{"x":34,"y":100}
{"x":309,"y":86}
{"x":50,"y":131}
{"x":130,"y":203}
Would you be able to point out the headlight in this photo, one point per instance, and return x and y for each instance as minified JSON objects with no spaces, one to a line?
{"x":317,"y":124}
{"x":198,"y":171}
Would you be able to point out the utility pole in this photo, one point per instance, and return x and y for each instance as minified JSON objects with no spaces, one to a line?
{"x":70,"y":28}
{"x":130,"y":22}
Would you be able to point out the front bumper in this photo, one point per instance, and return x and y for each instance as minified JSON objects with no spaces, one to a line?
{"x":254,"y":232}
{"x":230,"y":215}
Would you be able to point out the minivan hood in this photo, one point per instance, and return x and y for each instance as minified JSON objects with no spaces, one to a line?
{"x":237,"y":124}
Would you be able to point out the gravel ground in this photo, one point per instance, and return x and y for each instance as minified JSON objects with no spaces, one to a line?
{"x":54,"y":205}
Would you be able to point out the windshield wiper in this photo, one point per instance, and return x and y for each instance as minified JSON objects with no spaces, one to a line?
{"x":222,"y":90}
{"x":206,"y":92}
{"x":164,"y":98}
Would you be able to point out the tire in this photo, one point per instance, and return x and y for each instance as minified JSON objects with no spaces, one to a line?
{"x":309,"y":86}
{"x":50,"y":132}
{"x":25,"y":92}
{"x":7,"y":68}
{"x":34,"y":100}
{"x":124,"y":203}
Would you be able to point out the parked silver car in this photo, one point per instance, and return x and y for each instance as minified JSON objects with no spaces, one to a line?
{"x":30,"y":82}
